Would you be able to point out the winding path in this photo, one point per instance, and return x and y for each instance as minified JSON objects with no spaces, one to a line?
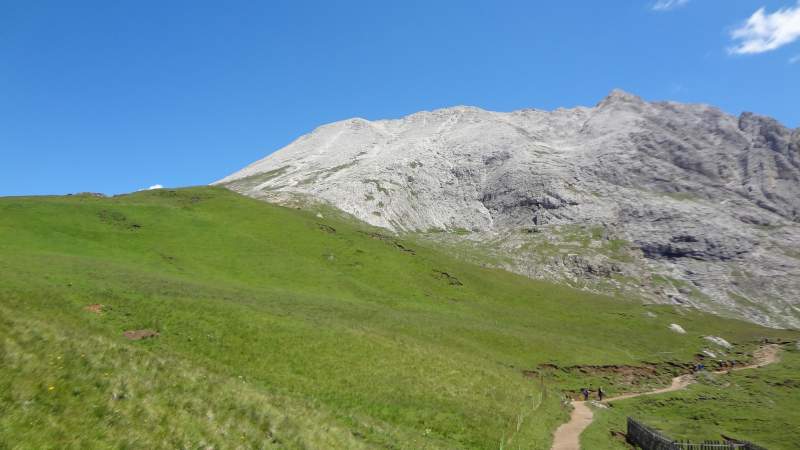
{"x":567,"y":436}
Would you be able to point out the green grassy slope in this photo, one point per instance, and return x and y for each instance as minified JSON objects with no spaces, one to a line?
{"x":279,"y":328}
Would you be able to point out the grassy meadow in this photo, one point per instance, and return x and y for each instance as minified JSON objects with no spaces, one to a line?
{"x":287,"y":328}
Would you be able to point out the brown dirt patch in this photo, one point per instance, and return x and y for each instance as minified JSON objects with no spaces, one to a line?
{"x":621,"y":371}
{"x":619,"y":435}
{"x":766,"y":354}
{"x":95,"y":308}
{"x":531,"y":374}
{"x":626,"y":375}
{"x":136,"y":335}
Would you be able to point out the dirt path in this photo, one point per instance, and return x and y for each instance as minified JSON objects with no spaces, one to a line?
{"x":766,"y":354}
{"x":567,"y":436}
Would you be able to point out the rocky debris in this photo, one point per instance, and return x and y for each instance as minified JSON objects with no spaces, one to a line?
{"x":677,"y":328}
{"x":719,"y":341}
{"x":707,"y":201}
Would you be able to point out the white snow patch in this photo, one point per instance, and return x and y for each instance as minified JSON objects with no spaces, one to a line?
{"x":677,"y":328}
{"x":709,"y":353}
{"x":650,"y":314}
{"x":719,"y":341}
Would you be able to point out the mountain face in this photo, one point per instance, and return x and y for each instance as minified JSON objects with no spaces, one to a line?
{"x":673,"y":203}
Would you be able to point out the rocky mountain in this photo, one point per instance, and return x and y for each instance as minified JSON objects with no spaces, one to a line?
{"x":675,"y":203}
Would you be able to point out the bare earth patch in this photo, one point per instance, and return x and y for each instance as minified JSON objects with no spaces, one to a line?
{"x":136,"y":335}
{"x":96,"y":308}
{"x":624,"y":374}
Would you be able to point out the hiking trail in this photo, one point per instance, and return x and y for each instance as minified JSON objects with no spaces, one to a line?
{"x":567,"y":436}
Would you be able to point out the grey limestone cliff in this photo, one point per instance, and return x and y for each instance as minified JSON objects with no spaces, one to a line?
{"x":675,"y":203}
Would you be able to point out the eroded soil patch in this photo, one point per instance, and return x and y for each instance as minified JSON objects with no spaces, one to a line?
{"x":137,"y":335}
{"x":450,"y":279}
{"x":95,"y":308}
{"x":390,"y":240}
{"x":326,"y":228}
{"x":622,"y":376}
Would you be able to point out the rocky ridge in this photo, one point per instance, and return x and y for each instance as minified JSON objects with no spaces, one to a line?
{"x":674,"y":203}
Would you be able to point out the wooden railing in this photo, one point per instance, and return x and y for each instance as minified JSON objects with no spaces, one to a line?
{"x":646,"y":438}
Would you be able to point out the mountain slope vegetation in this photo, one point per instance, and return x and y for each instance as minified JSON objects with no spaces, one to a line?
{"x":198,"y":318}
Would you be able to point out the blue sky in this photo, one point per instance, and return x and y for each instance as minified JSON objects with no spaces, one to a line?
{"x":117,"y":96}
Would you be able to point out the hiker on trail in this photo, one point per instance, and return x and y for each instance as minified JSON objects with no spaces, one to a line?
{"x":585,"y":393}
{"x":600,"y":393}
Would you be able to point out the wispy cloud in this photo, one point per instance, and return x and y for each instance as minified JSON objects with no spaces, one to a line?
{"x":794,"y":59}
{"x":763,"y":32}
{"x":677,"y":88}
{"x":666,"y":5}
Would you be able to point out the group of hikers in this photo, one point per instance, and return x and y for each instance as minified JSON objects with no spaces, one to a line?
{"x":585,"y":392}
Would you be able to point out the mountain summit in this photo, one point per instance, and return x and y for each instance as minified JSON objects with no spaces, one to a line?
{"x":678,"y":203}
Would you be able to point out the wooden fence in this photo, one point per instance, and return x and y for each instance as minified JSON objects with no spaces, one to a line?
{"x":646,"y":438}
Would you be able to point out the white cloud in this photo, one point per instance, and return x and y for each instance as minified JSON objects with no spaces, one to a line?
{"x":764,"y":32}
{"x":155,"y":186}
{"x":666,"y":5}
{"x":794,"y":59}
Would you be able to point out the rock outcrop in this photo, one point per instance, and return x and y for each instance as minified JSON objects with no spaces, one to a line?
{"x":670,"y":202}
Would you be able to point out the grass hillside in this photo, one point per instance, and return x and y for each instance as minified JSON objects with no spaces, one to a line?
{"x":279,"y":328}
